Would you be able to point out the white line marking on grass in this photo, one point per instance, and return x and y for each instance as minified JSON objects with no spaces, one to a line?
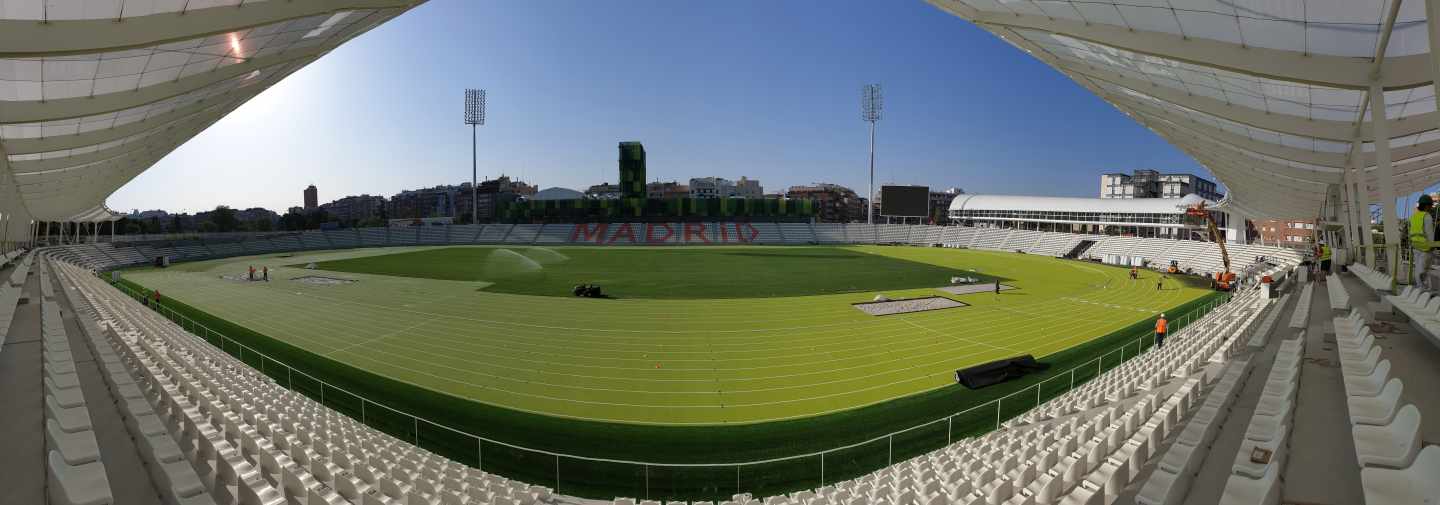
{"x":962,"y":339}
{"x":376,"y":339}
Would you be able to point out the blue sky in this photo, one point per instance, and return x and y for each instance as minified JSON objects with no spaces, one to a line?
{"x":765,"y":89}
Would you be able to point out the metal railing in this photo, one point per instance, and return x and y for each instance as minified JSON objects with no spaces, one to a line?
{"x":993,"y":413}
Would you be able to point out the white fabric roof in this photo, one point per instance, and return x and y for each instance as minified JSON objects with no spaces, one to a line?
{"x":87,"y":102}
{"x":557,"y":193}
{"x":1067,"y":204}
{"x":1272,"y":96}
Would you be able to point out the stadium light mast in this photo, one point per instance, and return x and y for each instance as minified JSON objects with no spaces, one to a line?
{"x":871,"y":106}
{"x":474,"y":116}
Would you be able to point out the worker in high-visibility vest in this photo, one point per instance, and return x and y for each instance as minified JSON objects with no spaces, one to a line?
{"x":1422,"y":229}
{"x":1324,"y":260}
{"x":1160,"y":331}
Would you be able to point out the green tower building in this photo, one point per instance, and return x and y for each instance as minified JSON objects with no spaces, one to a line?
{"x":632,"y":170}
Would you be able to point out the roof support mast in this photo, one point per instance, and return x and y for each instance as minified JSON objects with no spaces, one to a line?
{"x":1380,"y":130}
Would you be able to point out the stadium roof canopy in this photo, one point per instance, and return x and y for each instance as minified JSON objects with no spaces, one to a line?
{"x":1065,"y":204}
{"x":1276,"y":97}
{"x":93,"y":92}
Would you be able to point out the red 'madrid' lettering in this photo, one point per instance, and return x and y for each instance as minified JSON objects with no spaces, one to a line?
{"x":626,"y":231}
{"x":650,"y":233}
{"x":583,"y":233}
{"x":696,"y":229}
{"x":724,"y":233}
{"x":754,"y":232}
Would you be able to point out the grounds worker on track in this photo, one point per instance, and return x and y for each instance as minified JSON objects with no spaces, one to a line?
{"x":1421,"y":229}
{"x":1160,"y":331}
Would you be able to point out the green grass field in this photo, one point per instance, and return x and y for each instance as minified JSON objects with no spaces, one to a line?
{"x":578,"y":376}
{"x":668,"y":273}
{"x":672,"y":361}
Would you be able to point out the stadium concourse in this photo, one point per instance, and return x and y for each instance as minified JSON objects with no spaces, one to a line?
{"x":135,"y":407}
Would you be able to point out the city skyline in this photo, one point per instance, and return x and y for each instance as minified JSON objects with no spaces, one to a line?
{"x":780,"y":104}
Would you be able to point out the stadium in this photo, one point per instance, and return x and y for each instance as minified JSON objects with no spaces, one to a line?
{"x":734,"y":361}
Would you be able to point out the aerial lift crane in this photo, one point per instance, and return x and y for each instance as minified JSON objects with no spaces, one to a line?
{"x":1223,"y":281}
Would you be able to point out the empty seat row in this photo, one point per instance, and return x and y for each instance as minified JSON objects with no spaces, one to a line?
{"x":75,"y":475}
{"x":1258,"y":482}
{"x":831,"y":233}
{"x":1421,"y":308}
{"x":252,"y":441}
{"x":1171,"y":480}
{"x":1055,"y":244}
{"x":9,"y":298}
{"x":1339,"y":298}
{"x":555,"y":234}
{"x":989,"y":238}
{"x":172,"y":474}
{"x":1081,"y":447}
{"x":10,"y":255}
{"x":1386,"y":434}
{"x":1379,"y":281}
{"x":22,"y":269}
{"x":1300,"y":318}
{"x":1261,"y":337}
{"x":796,"y":233}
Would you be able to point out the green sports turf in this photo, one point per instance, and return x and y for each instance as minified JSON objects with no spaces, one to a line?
{"x":672,"y":361}
{"x":662,"y":273}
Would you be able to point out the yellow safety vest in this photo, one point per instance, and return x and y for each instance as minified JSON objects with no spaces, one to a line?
{"x":1418,"y":240}
{"x":1324,"y":252}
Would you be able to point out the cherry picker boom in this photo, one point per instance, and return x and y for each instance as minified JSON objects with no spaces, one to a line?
{"x":1223,"y":281}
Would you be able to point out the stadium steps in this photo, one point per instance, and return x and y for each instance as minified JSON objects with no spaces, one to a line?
{"x":989,"y":238}
{"x":315,"y":239}
{"x":961,"y":237}
{"x":463,"y":233}
{"x":493,"y":233}
{"x":403,"y":235}
{"x":950,"y":236}
{"x":926,"y":236}
{"x":104,"y":250}
{"x":892,"y":233}
{"x":287,"y":242}
{"x":1052,"y":244}
{"x":830,"y":233}
{"x":523,"y":234}
{"x":130,"y":255}
{"x":860,"y":233}
{"x":373,"y":237}
{"x":795,"y":233}
{"x":22,"y":471}
{"x":344,"y":239}
{"x":433,"y":235}
{"x":555,"y":234}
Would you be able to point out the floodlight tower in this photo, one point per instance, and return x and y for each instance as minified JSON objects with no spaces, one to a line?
{"x":871,"y":106}
{"x":474,"y":116}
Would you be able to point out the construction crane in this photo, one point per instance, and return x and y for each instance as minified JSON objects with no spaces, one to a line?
{"x":1223,"y":281}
